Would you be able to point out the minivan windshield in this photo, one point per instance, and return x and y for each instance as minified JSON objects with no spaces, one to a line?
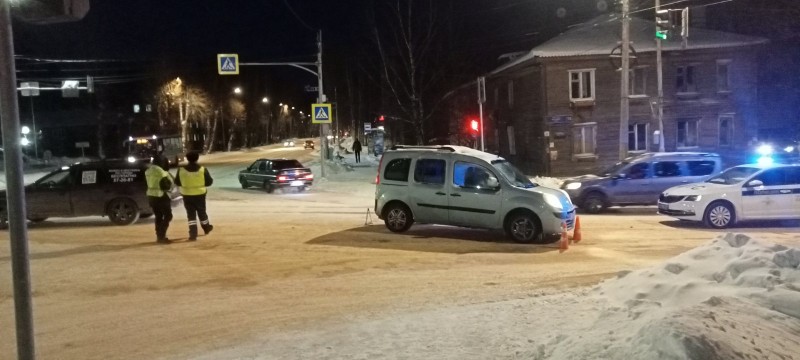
{"x":614,"y":169}
{"x":734,"y":175}
{"x":512,"y":174}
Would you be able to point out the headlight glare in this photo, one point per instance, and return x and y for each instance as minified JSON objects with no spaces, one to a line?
{"x":693,"y":198}
{"x":553,"y":201}
{"x":573,"y":186}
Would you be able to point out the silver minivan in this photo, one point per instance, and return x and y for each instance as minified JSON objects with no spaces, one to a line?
{"x":639,"y":180}
{"x":460,"y":186}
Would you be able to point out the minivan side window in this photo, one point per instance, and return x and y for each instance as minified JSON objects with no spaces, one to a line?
{"x":397,"y":170}
{"x":667,"y":169}
{"x":471,"y":176}
{"x":430,"y":171}
{"x":700,"y":167}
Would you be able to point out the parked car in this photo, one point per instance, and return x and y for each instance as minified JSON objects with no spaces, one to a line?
{"x":456,"y":185}
{"x":639,"y":180}
{"x":271,"y":174}
{"x":288,"y":143}
{"x":308,"y":144}
{"x":116,"y":189}
{"x":745,"y":192}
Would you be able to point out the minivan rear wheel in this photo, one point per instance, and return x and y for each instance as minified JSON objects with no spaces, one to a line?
{"x":398,"y":218}
{"x":522,"y":228}
{"x":123,"y":211}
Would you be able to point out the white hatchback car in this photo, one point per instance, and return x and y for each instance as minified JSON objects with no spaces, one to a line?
{"x":456,"y":185}
{"x":745,"y":192}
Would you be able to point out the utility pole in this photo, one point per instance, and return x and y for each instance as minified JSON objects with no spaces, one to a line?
{"x":660,"y":77}
{"x":481,"y":100}
{"x":624,"y":112}
{"x":322,"y":127}
{"x":15,"y":193}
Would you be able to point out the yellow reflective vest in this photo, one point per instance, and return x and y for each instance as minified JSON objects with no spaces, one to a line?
{"x":154,"y":174}
{"x":192,"y":182}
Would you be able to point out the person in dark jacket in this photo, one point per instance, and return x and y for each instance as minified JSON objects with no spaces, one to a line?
{"x":159,"y":182}
{"x":193,"y":180}
{"x":357,"y":150}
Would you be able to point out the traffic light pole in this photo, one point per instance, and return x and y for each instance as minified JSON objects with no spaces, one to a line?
{"x":15,"y":193}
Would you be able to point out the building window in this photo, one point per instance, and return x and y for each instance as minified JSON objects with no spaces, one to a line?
{"x":583,"y":139}
{"x":637,"y":137}
{"x":581,"y":84}
{"x":725,"y":130}
{"x":687,"y":133}
{"x":638,"y":79}
{"x":723,"y":75}
{"x":510,"y":94}
{"x":684,"y":77}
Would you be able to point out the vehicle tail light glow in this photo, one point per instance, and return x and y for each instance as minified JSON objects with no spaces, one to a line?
{"x":378,"y":177}
{"x":310,"y":176}
{"x":282,"y":178}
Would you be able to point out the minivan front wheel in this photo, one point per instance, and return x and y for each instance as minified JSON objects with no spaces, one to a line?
{"x":398,"y":218}
{"x":123,"y":211}
{"x":522,"y":228}
{"x":719,"y":215}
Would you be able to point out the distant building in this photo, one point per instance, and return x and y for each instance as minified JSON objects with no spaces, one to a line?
{"x":556,"y":109}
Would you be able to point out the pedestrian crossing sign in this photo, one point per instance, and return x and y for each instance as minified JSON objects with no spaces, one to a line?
{"x":228,"y":64}
{"x":321,"y":114}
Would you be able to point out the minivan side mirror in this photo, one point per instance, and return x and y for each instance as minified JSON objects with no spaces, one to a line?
{"x":492,"y":183}
{"x":755,"y":183}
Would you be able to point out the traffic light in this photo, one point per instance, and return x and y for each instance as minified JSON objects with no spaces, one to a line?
{"x":663,"y":24}
{"x":381,"y":118}
{"x":474,"y":127}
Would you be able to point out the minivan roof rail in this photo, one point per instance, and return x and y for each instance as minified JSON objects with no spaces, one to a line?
{"x":424,"y":147}
{"x":684,"y":153}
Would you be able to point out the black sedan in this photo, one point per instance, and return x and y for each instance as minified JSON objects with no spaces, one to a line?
{"x":271,"y":174}
{"x":309,"y":144}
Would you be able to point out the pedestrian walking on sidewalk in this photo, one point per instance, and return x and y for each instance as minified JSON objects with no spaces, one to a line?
{"x":193,"y":180}
{"x":357,"y":150}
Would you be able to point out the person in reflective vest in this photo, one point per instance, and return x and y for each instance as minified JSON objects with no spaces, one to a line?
{"x":193,"y":180}
{"x":159,"y":182}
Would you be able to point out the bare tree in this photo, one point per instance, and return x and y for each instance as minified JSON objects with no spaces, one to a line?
{"x":236,"y":112}
{"x":410,"y":47}
{"x":191,"y":103}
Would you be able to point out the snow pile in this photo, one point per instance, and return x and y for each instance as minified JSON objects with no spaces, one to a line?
{"x":550,"y":182}
{"x":735,"y":297}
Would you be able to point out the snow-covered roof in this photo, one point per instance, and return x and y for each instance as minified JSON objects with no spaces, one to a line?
{"x":601,"y":35}
{"x":456,"y":149}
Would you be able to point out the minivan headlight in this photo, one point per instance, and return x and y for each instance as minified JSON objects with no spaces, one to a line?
{"x":693,"y":198}
{"x":573,"y":186}
{"x":131,"y":159}
{"x":553,"y":201}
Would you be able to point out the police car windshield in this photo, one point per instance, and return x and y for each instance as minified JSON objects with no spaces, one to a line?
{"x":614,"y":169}
{"x":512,"y":174}
{"x":286,"y":164}
{"x":734,"y":175}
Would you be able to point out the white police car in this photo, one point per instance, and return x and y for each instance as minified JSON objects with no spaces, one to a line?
{"x":745,"y":192}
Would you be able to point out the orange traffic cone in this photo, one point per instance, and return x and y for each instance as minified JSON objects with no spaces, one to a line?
{"x":564,"y":245}
{"x":576,"y":233}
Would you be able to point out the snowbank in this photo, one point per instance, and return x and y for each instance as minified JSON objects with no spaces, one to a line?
{"x":550,"y":182}
{"x":735,"y":297}
{"x":732,"y":298}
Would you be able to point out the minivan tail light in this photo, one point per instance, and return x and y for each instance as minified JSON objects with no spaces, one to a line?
{"x":378,"y":177}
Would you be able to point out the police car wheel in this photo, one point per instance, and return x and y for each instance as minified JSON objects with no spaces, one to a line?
{"x":123,"y":211}
{"x":719,"y":215}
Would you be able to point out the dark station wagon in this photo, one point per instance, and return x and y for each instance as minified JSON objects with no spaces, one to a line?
{"x":112,"y":188}
{"x":271,"y":174}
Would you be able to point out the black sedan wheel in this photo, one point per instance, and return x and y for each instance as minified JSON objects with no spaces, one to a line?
{"x":123,"y":211}
{"x":243,"y":182}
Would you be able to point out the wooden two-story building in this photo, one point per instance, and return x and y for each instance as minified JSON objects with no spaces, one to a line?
{"x":555,"y":109}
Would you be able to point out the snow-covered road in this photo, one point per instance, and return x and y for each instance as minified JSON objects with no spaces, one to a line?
{"x":300,"y":276}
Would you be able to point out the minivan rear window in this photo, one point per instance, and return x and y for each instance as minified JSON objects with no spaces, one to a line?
{"x":700,"y":167}
{"x":397,"y":170}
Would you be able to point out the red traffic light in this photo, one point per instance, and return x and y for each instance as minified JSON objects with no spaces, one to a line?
{"x":381,"y":118}
{"x":474,"y":125}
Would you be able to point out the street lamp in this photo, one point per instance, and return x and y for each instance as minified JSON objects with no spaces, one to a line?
{"x":265,"y":100}
{"x":26,"y":130}
{"x":237,"y":90}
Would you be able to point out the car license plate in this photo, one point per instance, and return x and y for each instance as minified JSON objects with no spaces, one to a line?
{"x":662,"y":206}
{"x":296,"y":183}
